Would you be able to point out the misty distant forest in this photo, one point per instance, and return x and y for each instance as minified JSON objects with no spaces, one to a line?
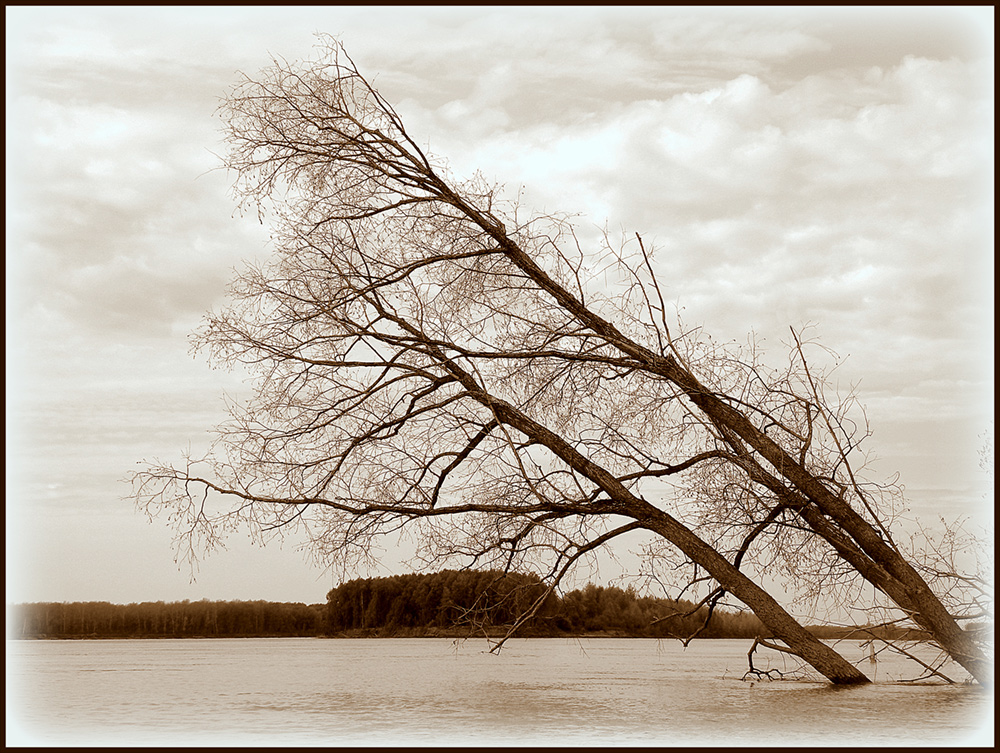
{"x":449,"y":603}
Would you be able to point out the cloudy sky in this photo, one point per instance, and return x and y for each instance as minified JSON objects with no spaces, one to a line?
{"x":825,"y":166}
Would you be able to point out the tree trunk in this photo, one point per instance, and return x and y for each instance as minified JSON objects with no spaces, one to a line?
{"x":799,"y":640}
{"x":893,"y":575}
{"x":786,"y":628}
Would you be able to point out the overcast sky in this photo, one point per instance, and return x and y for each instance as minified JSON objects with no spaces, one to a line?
{"x":826,"y":166}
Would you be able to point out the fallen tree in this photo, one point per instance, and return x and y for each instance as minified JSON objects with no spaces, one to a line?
{"x":431,"y":360}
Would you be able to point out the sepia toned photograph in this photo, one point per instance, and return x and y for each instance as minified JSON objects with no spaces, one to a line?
{"x":500,"y":376}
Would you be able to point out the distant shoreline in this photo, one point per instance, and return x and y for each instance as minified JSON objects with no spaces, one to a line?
{"x":359,"y":635}
{"x":440,"y":633}
{"x":596,"y":613}
{"x":375,"y":634}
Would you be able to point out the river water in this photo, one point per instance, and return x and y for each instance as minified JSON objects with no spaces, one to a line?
{"x":556,"y":692}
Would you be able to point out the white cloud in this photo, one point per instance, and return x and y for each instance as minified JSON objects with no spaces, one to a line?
{"x":739,"y":39}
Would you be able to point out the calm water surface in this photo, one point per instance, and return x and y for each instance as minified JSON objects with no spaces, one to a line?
{"x":597,"y":691}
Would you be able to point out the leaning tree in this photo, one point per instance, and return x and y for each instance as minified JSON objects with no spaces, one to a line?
{"x":430,"y":358}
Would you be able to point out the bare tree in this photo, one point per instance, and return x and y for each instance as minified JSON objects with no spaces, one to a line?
{"x":431,"y":359}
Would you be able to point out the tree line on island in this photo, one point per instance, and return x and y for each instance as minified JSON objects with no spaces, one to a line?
{"x":451,"y":603}
{"x":455,"y":602}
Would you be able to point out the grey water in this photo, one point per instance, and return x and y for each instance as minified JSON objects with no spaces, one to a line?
{"x":413,"y":692}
